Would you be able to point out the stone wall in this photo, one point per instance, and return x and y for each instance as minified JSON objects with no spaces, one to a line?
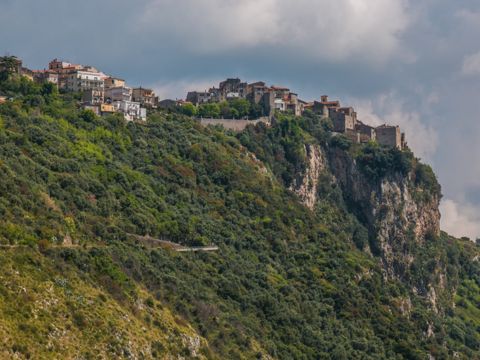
{"x":232,"y":124}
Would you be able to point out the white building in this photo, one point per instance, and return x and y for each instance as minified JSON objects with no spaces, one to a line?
{"x":81,"y":80}
{"x":280,"y":104}
{"x":120,"y":93}
{"x":233,"y":95}
{"x":131,"y":110}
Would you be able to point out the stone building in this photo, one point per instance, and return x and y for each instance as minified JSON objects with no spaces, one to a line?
{"x":256,"y":91}
{"x":230,"y":86}
{"x":197,"y":97}
{"x":57,"y":65}
{"x":167,"y":104}
{"x":389,"y":135}
{"x":146,"y":97}
{"x":280,"y":91}
{"x":324,"y":106}
{"x":343,"y":119}
{"x":367,"y":132}
{"x":45,"y":76}
{"x":63,"y":69}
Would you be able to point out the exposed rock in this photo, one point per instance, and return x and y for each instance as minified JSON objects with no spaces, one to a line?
{"x":305,"y":186}
{"x":388,"y":208}
{"x":193,"y":344}
{"x":432,"y":297}
{"x":405,"y":306}
{"x":430,"y":331}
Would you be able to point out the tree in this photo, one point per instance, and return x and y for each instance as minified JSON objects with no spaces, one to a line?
{"x":256,"y":111}
{"x":210,"y":110}
{"x":188,"y":109}
{"x":225,"y":110}
{"x":8,"y":66}
{"x":241,"y":105}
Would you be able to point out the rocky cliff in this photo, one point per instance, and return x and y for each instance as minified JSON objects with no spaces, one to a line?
{"x":397,"y":217}
{"x":305,"y":185}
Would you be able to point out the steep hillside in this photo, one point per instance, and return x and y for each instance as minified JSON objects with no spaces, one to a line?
{"x":317,"y":258}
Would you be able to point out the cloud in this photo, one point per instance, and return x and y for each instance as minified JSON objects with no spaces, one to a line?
{"x":340,"y":30}
{"x":460,"y":219}
{"x":471,"y":64}
{"x":388,"y":109}
{"x":469,"y":17}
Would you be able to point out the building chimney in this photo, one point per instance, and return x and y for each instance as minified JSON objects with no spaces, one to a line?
{"x":324,"y":98}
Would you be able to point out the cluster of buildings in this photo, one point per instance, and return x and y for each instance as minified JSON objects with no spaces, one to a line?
{"x":277,"y":98}
{"x":101,"y":93}
{"x":345,"y":121}
{"x":270,"y":98}
{"x":105,"y":94}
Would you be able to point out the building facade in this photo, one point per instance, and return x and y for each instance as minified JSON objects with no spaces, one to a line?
{"x":131,"y":110}
{"x":389,"y":135}
{"x":80,"y":80}
{"x":112,"y":82}
{"x":145,"y":97}
{"x":93,"y":97}
{"x":120,"y":93}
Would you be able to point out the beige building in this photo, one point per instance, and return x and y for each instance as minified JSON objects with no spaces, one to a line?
{"x":112,"y":82}
{"x":81,"y":80}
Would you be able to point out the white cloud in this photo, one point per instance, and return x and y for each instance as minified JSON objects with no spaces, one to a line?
{"x":340,"y":30}
{"x":388,"y":109}
{"x":471,"y":64}
{"x":460,"y":219}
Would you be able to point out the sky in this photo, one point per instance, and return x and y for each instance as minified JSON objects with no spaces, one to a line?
{"x":415,"y":63}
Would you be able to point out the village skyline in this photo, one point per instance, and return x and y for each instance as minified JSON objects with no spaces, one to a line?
{"x":106,"y":94}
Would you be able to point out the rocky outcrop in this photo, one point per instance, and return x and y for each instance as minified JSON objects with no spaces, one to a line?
{"x":305,"y":185}
{"x":396,"y":219}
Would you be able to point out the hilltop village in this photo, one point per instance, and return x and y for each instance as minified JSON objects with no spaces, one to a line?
{"x":101,"y":93}
{"x":277,"y":98}
{"x":104,"y":94}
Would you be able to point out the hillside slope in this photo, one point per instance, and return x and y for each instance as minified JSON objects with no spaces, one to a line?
{"x":289,"y":281}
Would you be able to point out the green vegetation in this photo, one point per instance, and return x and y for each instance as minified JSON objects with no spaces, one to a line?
{"x":377,"y":162}
{"x":287,"y":282}
{"x":231,"y":109}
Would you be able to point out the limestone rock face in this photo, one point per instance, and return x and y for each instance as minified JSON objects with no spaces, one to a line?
{"x":305,"y":185}
{"x":396,"y":219}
